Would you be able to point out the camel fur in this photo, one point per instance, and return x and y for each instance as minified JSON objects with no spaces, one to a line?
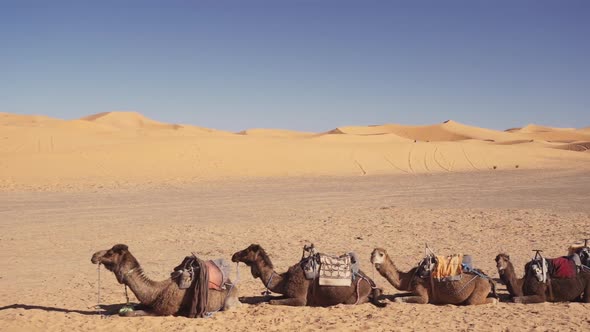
{"x":158,"y":298}
{"x":530,"y":290}
{"x":299,"y":291}
{"x":469,"y":290}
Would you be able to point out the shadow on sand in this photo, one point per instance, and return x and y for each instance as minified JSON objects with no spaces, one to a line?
{"x":104,"y":309}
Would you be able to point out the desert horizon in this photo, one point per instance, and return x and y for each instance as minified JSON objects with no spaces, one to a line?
{"x":121,"y":149}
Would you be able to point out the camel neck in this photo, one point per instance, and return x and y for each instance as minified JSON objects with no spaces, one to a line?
{"x":400,"y":280}
{"x":269,"y":277}
{"x":511,"y":281}
{"x":145,"y":290}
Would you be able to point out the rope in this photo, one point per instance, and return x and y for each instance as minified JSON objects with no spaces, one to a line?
{"x":462,"y":288}
{"x":98,"y":311}
{"x":267,"y":292}
{"x":126,"y":295}
{"x":358,"y":292}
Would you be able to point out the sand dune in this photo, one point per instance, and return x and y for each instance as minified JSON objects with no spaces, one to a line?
{"x":275,"y":133}
{"x":128,"y":120}
{"x":447,"y":131}
{"x":120,"y":149}
{"x":564,"y":135}
{"x":575,"y":146}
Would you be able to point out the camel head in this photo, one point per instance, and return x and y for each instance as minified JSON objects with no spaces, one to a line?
{"x":250,"y":256}
{"x":502,"y":262}
{"x":378,"y":257}
{"x":118,"y":260}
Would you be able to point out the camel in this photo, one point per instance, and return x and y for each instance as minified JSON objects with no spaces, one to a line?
{"x":508,"y":276}
{"x":158,"y":298}
{"x":299,"y":291}
{"x":471,"y":289}
{"x":530,"y":290}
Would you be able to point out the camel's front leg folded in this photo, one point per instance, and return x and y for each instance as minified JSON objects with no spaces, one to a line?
{"x":294,"y":301}
{"x":529,"y":299}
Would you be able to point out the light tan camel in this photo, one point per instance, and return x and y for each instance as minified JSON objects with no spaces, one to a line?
{"x":159,"y":298}
{"x":469,"y":290}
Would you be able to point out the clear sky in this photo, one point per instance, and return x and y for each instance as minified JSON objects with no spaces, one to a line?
{"x":305,"y":65}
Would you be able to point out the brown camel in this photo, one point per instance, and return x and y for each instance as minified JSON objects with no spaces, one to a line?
{"x":530,"y":290}
{"x":470,"y":289}
{"x":508,"y":276}
{"x":299,"y":291}
{"x":158,"y":298}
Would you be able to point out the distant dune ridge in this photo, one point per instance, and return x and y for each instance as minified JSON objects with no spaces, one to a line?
{"x":127,"y":148}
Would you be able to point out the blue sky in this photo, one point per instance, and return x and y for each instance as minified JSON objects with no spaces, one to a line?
{"x":305,"y":65}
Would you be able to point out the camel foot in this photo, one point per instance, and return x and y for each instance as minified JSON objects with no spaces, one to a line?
{"x":493,"y":301}
{"x":135,"y":313}
{"x":398,"y":300}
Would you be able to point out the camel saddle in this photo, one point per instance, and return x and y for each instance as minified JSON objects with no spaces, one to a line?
{"x":580,"y":254}
{"x":331,"y":270}
{"x":564,"y":267}
{"x":444,"y":268}
{"x":218,"y":272}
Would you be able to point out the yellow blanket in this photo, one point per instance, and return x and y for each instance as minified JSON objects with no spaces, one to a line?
{"x":448,"y":266}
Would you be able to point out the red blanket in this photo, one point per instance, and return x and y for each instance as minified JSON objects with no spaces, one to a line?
{"x":215,"y":276}
{"x":563,"y":268}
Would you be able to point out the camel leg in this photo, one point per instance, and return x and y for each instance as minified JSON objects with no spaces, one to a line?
{"x":529,"y":299}
{"x":231,"y":303}
{"x":479,"y":295}
{"x":586,"y":296}
{"x":293,"y":301}
{"x":421,"y":296}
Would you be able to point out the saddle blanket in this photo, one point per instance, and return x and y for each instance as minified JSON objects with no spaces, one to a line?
{"x":563,"y":268}
{"x":448,"y":266}
{"x":335,"y":271}
{"x":218,"y":273}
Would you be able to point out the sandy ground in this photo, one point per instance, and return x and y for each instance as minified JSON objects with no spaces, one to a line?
{"x":47,"y":282}
{"x":118,"y":150}
{"x":71,"y":187}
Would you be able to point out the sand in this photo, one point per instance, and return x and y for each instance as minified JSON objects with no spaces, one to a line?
{"x":126,"y":149}
{"x":70,"y":188}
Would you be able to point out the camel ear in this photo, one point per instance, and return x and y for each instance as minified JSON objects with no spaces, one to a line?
{"x":120,"y":248}
{"x":255,"y":247}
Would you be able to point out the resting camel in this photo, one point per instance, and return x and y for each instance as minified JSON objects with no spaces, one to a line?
{"x":158,"y":298}
{"x":470,"y":289}
{"x":508,"y":276}
{"x":531,"y":290}
{"x":297,"y":290}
